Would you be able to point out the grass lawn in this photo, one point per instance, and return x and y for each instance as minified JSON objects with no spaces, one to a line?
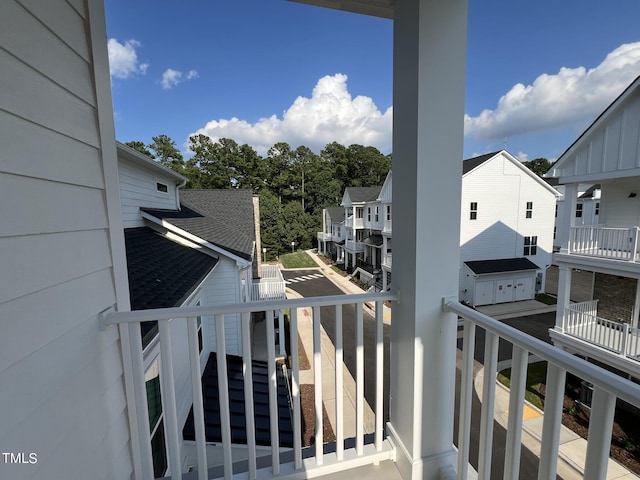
{"x":297,"y":260}
{"x":536,"y":376}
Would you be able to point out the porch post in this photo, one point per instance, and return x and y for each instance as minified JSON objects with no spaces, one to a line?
{"x":428,"y":99}
{"x":568,"y":216}
{"x":564,"y":293}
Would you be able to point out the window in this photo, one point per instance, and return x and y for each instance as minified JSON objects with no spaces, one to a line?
{"x":368,"y":214}
{"x":597,"y":212}
{"x":554,"y":232}
{"x":199,"y":323}
{"x":579,"y":210}
{"x":377,"y":213}
{"x":529,"y":212}
{"x":530,"y":246}
{"x":556,"y":210}
{"x":359,"y":212}
{"x":388,"y":212}
{"x":156,"y":424}
{"x":162,"y":187}
{"x":473,"y":211}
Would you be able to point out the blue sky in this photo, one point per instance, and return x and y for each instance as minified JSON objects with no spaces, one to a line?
{"x":263,"y":71}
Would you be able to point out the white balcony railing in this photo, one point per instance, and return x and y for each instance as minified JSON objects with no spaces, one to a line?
{"x":387,"y":226}
{"x":350,"y":223}
{"x":270,"y":287}
{"x":354,"y":246}
{"x":607,"y":387}
{"x":313,"y":460}
{"x":581,"y":321}
{"x":324,"y":237}
{"x":320,"y":459}
{"x":605,"y":242}
{"x":386,"y":260}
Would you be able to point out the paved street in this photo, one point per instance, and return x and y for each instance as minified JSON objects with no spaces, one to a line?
{"x":313,"y":286}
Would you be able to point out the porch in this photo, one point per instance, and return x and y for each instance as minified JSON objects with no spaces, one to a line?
{"x":381,"y":448}
{"x":605,"y":242}
{"x":270,"y":286}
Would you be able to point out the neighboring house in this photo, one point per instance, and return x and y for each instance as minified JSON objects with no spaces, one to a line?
{"x":187,"y":248}
{"x":606,"y":154}
{"x":587,"y":209}
{"x":506,"y":230}
{"x":332,"y":237}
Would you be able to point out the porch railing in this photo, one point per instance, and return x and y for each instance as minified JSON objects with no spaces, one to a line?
{"x":605,"y":242}
{"x":270,"y":286}
{"x":316,"y":460}
{"x":354,"y":246}
{"x":607,"y":388}
{"x":387,"y":226}
{"x":350,"y":222}
{"x":387,"y":260}
{"x":581,"y":321}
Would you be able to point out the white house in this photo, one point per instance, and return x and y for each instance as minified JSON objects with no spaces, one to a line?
{"x":506,"y":230}
{"x":332,"y":237}
{"x":587,"y":211}
{"x":606,"y":154}
{"x":74,"y":396}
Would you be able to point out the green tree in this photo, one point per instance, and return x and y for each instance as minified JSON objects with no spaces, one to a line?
{"x":278,"y":170}
{"x":166,"y":152}
{"x":140,"y":147}
{"x":539,"y":166}
{"x":213,"y":160}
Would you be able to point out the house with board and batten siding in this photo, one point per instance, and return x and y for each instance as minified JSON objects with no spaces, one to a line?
{"x":604,"y":328}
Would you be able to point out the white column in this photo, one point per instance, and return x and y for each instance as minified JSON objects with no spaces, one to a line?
{"x":568,"y":216}
{"x":564,"y":293}
{"x":636,"y":307}
{"x":428,"y":99}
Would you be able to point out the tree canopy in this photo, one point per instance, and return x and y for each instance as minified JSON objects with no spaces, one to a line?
{"x":539,"y":166}
{"x":294,"y":184}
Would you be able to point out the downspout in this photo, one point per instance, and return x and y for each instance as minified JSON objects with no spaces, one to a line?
{"x":178,"y":187}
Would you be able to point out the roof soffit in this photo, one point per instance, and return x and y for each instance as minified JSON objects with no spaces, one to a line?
{"x":376,"y":8}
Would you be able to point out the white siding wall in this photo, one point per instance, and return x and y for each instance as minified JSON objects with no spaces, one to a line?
{"x":138,"y":189}
{"x":502,"y":190}
{"x":222,"y":287}
{"x":62,"y":392}
{"x":616,"y":208}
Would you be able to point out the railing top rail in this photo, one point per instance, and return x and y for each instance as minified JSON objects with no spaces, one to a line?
{"x":257,"y":306}
{"x":614,"y":384}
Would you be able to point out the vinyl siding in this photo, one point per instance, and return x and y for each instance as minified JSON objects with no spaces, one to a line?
{"x":61,"y":375}
{"x":616,"y":208}
{"x":222,"y":287}
{"x":138,"y":189}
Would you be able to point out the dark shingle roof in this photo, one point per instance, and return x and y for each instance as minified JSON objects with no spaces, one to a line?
{"x":236,"y":403}
{"x":221,"y":217}
{"x":471,"y":163}
{"x":363,"y":194}
{"x":375,"y":240}
{"x":590,"y":191}
{"x":501,"y":265}
{"x":162,"y":273}
{"x":336,"y":214}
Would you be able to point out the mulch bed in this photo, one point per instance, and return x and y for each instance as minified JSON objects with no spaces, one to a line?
{"x":625,"y":442}
{"x":309,"y":420}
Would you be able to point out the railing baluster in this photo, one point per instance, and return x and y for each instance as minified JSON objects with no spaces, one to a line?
{"x":339,"y":386}
{"x":169,"y":399}
{"x":295,"y":390}
{"x":359,"y":380}
{"x":223,"y":396}
{"x":599,"y":440}
{"x":551,"y":422}
{"x":273,"y":395}
{"x":379,"y":373}
{"x":317,"y":383}
{"x":516,"y":410}
{"x":247,"y":375}
{"x":466,"y":391}
{"x":198,"y":404}
{"x":488,"y":401}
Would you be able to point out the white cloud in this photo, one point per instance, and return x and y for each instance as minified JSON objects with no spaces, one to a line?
{"x":331,"y":114}
{"x":523,"y":157}
{"x":171,"y":77}
{"x":573,"y":94}
{"x":123,"y":59}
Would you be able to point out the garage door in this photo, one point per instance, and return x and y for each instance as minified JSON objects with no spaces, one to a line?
{"x":484,"y":293}
{"x":504,"y":290}
{"x":524,"y":288}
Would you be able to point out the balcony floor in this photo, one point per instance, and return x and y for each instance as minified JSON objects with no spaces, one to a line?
{"x":386,"y":470}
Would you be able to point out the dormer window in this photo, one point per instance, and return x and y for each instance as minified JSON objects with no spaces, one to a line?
{"x":162,"y":187}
